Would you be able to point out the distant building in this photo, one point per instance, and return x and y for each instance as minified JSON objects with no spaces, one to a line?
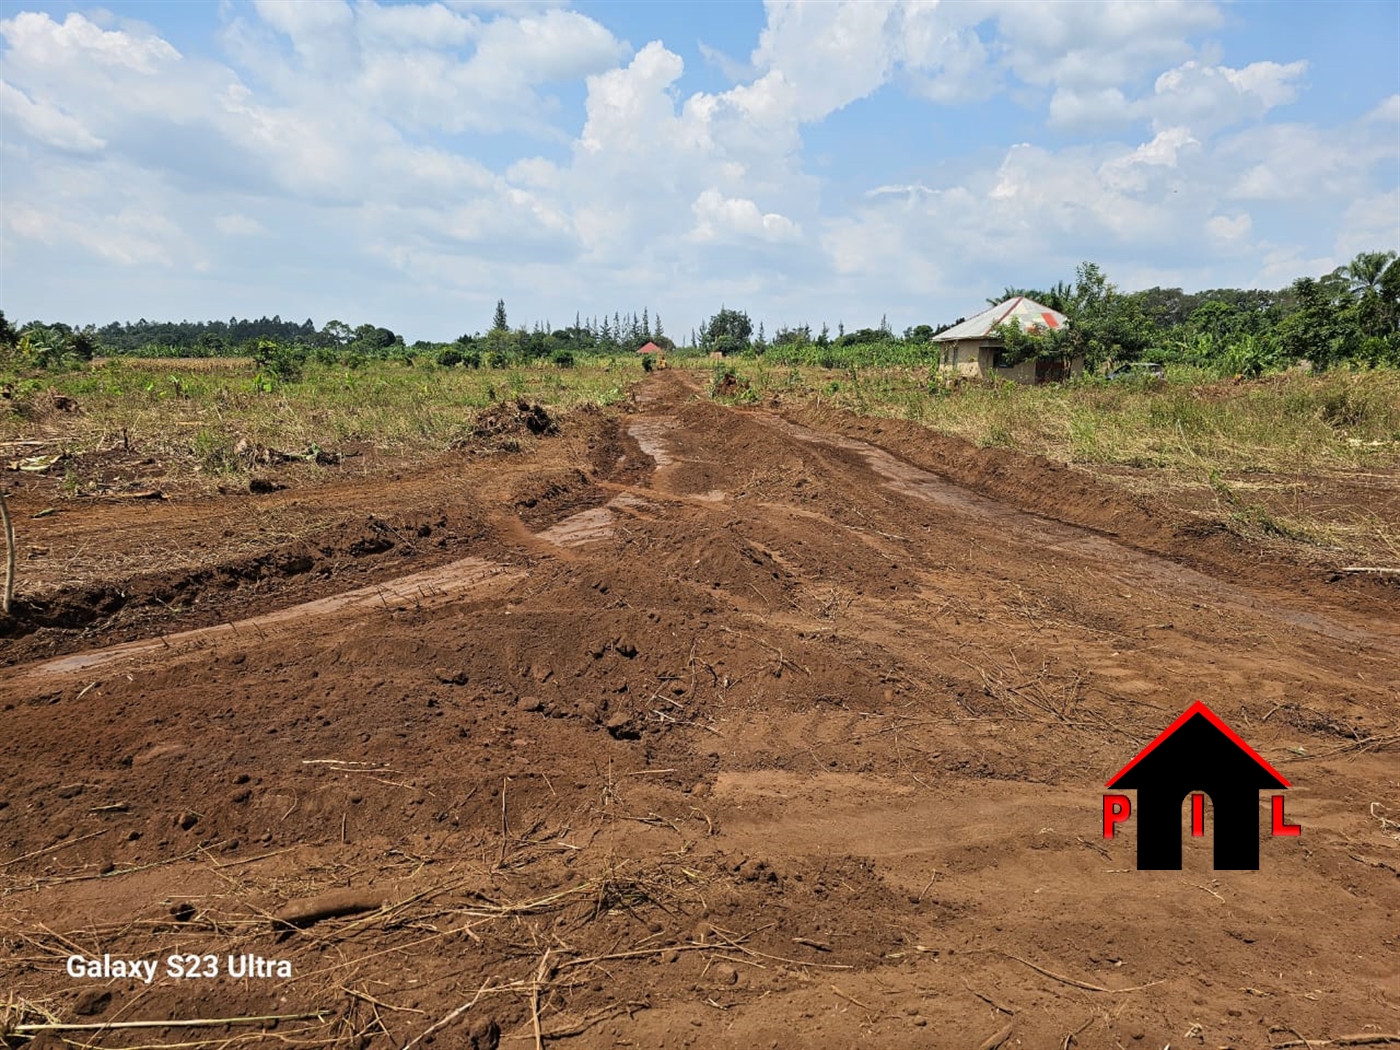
{"x":648,"y":348}
{"x":973,"y":348}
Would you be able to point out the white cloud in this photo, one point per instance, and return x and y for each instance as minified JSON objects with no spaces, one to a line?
{"x":128,"y":238}
{"x":944,"y":55}
{"x":642,"y":151}
{"x":76,"y":40}
{"x":718,"y":217}
{"x":1370,"y":223}
{"x":910,"y":190}
{"x":1084,"y":45}
{"x":1300,"y":162}
{"x":830,"y":53}
{"x":46,"y":122}
{"x":323,"y":32}
{"x":1218,"y":96}
{"x":414,"y":26}
{"x":1202,"y":97}
{"x":1229,"y":230}
{"x":627,"y":106}
{"x":1131,"y":171}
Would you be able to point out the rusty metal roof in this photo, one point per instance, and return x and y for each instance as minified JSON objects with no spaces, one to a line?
{"x":1028,"y":312}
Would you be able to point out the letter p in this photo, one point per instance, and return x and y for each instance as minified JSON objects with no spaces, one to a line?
{"x":1116,"y":809}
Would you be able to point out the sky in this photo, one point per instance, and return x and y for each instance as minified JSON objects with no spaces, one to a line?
{"x":408,"y":164}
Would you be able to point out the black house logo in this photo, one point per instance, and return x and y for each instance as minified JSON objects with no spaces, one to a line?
{"x":1196,"y":755}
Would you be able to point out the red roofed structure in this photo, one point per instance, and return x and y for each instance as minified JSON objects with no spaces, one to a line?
{"x":648,"y":348}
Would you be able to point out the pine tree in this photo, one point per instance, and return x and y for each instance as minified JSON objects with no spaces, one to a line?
{"x":646,"y":324}
{"x":498,"y":324}
{"x":659,"y":330}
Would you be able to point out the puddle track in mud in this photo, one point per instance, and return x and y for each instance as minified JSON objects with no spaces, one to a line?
{"x":650,"y":436}
{"x":596,"y":523}
{"x":1132,"y":566}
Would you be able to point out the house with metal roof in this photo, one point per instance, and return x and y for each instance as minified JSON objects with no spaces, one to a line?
{"x":974,"y":348}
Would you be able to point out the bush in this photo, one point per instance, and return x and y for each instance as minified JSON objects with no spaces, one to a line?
{"x":280,"y":361}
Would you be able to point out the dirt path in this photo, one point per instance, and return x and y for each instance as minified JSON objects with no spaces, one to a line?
{"x":695,"y":726}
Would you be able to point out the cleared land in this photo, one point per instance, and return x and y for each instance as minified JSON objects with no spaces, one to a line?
{"x":691,"y":724}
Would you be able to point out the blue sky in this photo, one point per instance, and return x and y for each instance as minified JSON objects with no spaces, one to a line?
{"x":409,"y":164}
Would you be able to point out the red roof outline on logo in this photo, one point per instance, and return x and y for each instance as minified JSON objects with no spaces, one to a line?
{"x":1210,"y":716}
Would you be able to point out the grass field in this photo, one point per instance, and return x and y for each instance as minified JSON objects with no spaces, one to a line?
{"x":194,"y":412}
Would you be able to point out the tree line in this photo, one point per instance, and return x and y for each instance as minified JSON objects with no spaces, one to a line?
{"x":284,"y":347}
{"x":1348,"y":317}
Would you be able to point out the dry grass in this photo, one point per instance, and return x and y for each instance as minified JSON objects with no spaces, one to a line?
{"x":1280,"y":424}
{"x":190,"y":415}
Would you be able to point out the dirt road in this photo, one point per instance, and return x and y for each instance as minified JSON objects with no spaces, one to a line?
{"x":693,"y":726}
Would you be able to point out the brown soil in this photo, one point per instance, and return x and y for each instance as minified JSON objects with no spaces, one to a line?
{"x":687,"y":726}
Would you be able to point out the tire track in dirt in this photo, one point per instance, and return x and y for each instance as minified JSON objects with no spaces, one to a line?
{"x":1133,"y":566}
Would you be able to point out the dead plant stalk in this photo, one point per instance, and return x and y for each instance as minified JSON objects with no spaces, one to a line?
{"x":9,"y":591}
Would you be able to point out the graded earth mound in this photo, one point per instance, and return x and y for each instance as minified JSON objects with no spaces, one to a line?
{"x":683,"y":726}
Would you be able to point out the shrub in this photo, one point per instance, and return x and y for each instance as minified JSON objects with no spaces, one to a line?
{"x":280,"y":361}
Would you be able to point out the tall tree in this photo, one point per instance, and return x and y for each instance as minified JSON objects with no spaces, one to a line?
{"x":498,"y":323}
{"x":727,"y":331}
{"x":1372,"y":276}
